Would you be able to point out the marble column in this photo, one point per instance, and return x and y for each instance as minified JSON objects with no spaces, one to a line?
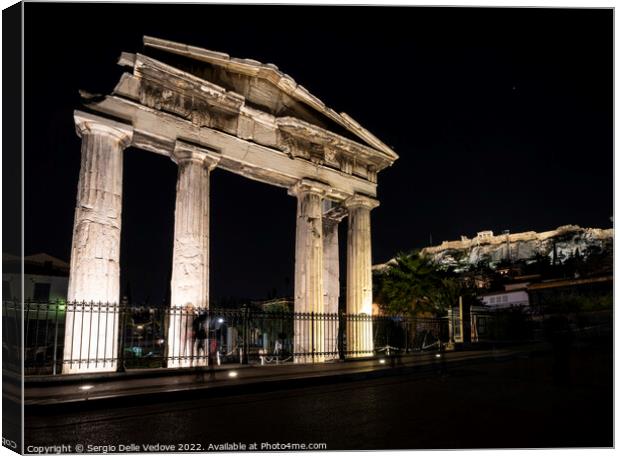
{"x":309,"y":327}
{"x":359,"y":276}
{"x":331,"y":276}
{"x":91,"y":325}
{"x":190,"y":258}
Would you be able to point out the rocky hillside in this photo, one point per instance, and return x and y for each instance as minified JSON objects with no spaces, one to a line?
{"x":559,"y":245}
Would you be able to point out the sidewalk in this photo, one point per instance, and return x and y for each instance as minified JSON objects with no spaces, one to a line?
{"x":143,"y":384}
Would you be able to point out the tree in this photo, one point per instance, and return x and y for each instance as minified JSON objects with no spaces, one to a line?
{"x":413,"y":285}
{"x":448,"y":293}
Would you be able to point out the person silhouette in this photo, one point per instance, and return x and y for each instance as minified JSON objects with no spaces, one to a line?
{"x":200,"y":334}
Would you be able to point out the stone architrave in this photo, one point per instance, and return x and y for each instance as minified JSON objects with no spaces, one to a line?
{"x":309,"y":331}
{"x":359,"y":276}
{"x":190,"y":258}
{"x":91,"y":326}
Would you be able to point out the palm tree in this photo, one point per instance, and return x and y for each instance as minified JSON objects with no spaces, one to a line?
{"x":413,"y":285}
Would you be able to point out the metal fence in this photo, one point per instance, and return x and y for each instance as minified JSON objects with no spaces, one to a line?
{"x":62,"y":337}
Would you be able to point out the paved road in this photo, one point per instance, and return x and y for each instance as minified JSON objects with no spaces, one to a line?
{"x":519,"y":403}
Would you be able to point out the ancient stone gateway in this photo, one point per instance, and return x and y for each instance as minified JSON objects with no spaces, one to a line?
{"x":204,"y":109}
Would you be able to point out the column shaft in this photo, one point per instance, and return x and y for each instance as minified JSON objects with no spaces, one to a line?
{"x":359,"y":277}
{"x":91,"y":334}
{"x":190,"y":261}
{"x":331,"y":268}
{"x":309,"y":327}
{"x":331,"y":284}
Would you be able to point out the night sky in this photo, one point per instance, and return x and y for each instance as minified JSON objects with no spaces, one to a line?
{"x":502,"y":119}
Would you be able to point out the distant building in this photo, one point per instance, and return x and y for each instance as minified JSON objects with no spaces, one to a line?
{"x":560,"y":290}
{"x":275,"y":305}
{"x":45,"y":277}
{"x":507,"y":298}
{"x":534,"y":292}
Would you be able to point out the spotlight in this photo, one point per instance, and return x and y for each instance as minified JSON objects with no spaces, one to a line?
{"x":232,"y":374}
{"x":438,"y":355}
{"x":382,"y":361}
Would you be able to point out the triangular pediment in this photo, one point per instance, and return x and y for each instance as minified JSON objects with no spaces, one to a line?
{"x":264,"y":87}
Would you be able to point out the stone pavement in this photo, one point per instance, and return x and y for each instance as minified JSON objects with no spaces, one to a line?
{"x":147,"y":384}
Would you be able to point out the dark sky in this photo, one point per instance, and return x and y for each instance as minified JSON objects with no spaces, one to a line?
{"x":502,"y":119}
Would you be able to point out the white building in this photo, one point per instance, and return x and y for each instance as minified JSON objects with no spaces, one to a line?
{"x":46,"y":278}
{"x":510,"y":297}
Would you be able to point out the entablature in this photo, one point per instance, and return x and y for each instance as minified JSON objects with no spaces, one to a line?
{"x":159,"y":132}
{"x":166,"y":88}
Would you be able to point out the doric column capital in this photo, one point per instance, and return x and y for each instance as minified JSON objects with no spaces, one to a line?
{"x":358,"y":200}
{"x":186,"y":152}
{"x":309,"y":186}
{"x":89,"y":124}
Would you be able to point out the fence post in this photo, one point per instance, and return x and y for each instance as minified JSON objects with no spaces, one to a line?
{"x":246,"y":335}
{"x":55,"y":356}
{"x":122,"y":310}
{"x":312,"y":338}
{"x":341,"y":335}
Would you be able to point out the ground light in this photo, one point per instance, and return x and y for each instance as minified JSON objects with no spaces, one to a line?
{"x":233,"y":374}
{"x":382,"y":361}
{"x":85,"y":387}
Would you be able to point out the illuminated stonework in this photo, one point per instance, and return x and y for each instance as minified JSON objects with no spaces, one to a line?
{"x":309,"y":334}
{"x":333,"y":214}
{"x":190,"y":257}
{"x":247,"y":118}
{"x":359,"y":274}
{"x":95,"y":252}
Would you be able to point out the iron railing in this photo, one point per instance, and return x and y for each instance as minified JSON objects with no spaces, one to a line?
{"x":61,"y":337}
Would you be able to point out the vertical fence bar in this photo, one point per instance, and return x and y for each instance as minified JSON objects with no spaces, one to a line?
{"x":27,"y":328}
{"x":90,"y":331}
{"x":20,"y":336}
{"x":171,"y":334}
{"x":246,"y":335}
{"x":55,"y":355}
{"x":105,"y":334}
{"x":98,"y":335}
{"x":122,"y":316}
{"x":184,"y":329}
{"x":17,"y":333}
{"x":312,"y":339}
{"x":46,"y":337}
{"x":36,"y":334}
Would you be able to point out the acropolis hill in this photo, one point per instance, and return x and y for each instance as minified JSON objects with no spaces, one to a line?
{"x":558,"y":245}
